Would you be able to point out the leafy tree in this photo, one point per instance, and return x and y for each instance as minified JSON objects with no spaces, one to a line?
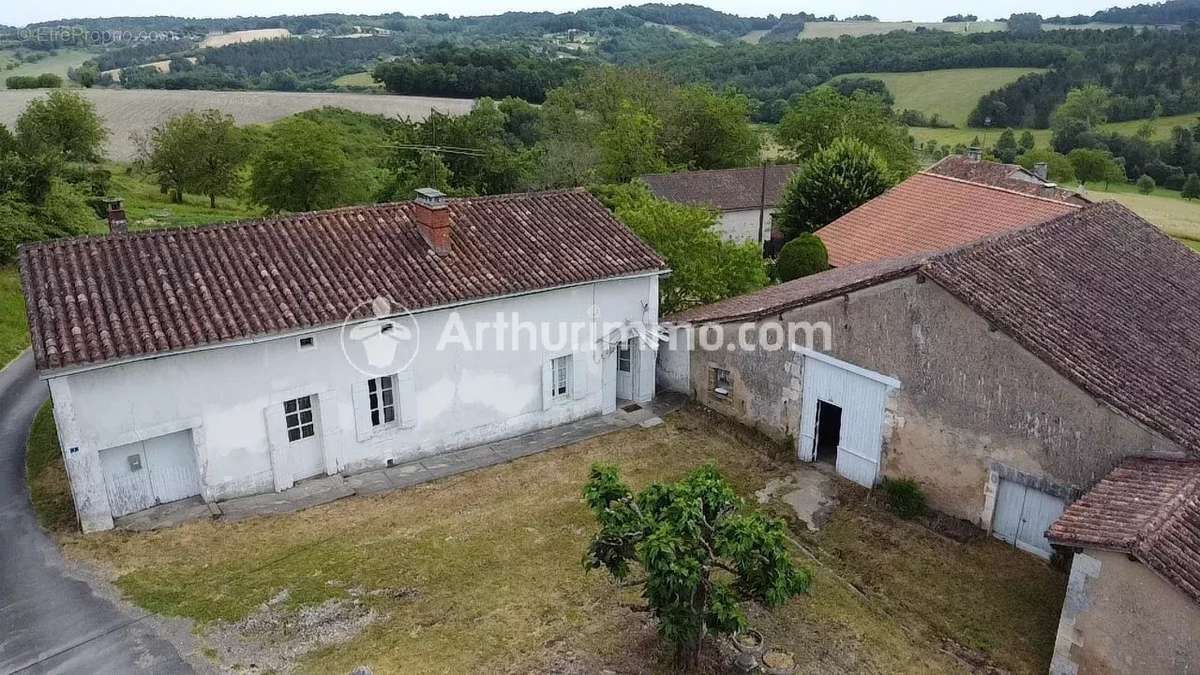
{"x":1146,"y":185}
{"x":1025,"y":23}
{"x":1006,"y":149}
{"x":1059,"y":168}
{"x":837,"y":180}
{"x":1093,"y":165}
{"x":707,"y":130}
{"x":700,"y":551}
{"x":199,"y":151}
{"x":1088,"y":103}
{"x":801,"y":257}
{"x":62,"y":122}
{"x":823,"y":115}
{"x":1191,"y":187}
{"x":629,"y":147}
{"x":302,"y":168}
{"x":705,"y":267}
{"x":1027,"y":141}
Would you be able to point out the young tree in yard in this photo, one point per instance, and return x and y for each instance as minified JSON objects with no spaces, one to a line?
{"x":700,"y":551}
{"x":1146,"y":185}
{"x":1191,"y":187}
{"x":629,"y":148}
{"x":1006,"y":149}
{"x":222,"y":151}
{"x":1094,"y":165}
{"x":801,"y":257}
{"x":302,"y":168}
{"x":1027,"y":141}
{"x":822,"y":116}
{"x":837,"y":180}
{"x":62,"y":122}
{"x":705,"y":267}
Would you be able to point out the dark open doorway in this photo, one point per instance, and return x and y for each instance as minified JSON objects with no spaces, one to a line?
{"x":829,"y":431}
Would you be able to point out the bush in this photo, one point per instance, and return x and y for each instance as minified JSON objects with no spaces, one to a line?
{"x":801,"y":257}
{"x":1191,"y":187}
{"x":905,"y":497}
{"x":43,"y":81}
{"x":1146,"y":185}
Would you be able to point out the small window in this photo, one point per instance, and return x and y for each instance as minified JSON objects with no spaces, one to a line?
{"x":624,"y":358}
{"x":721,"y":382}
{"x":382,"y":398}
{"x":307,"y":343}
{"x":298,"y":414}
{"x":560,"y":376}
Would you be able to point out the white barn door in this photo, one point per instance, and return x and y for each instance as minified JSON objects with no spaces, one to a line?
{"x":861,"y":395}
{"x":155,"y":471}
{"x":1023,"y":514}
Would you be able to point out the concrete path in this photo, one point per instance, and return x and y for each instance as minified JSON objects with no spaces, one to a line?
{"x":49,"y":621}
{"x":309,"y":493}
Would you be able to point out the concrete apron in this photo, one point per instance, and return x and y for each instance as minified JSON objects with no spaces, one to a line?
{"x":316,"y":491}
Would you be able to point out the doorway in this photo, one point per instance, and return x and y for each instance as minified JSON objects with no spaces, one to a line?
{"x":154,"y":471}
{"x":625,"y":370}
{"x":828,"y":434}
{"x":306,"y":456}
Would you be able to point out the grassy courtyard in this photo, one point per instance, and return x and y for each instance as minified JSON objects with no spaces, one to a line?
{"x":482,"y":573}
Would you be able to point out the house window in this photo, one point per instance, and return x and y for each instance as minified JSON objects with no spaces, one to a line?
{"x":382,"y":398}
{"x":624,"y":358}
{"x":721,"y":382}
{"x":560,"y":369}
{"x":299,"y":416}
{"x":307,"y":343}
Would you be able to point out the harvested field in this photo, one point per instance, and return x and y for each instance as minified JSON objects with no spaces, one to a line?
{"x":126,"y":111}
{"x":237,"y":36}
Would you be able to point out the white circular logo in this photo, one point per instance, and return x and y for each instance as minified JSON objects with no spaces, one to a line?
{"x":383,"y":345}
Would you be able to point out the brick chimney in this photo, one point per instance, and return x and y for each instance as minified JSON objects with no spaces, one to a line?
{"x":433,"y":219}
{"x":974,"y":154}
{"x":1041,"y":170}
{"x":117,"y":224}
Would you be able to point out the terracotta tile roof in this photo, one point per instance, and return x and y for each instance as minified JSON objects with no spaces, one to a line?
{"x":1008,"y":176}
{"x":929,"y":213}
{"x":800,"y":292}
{"x":724,"y":189}
{"x":1148,"y":508}
{"x":1106,"y":299}
{"x":96,"y":299}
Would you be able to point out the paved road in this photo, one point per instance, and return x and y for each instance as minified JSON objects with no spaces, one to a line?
{"x":50,"y":622}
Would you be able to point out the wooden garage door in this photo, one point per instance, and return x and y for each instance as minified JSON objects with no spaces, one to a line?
{"x":155,"y":471}
{"x":1023,"y":514}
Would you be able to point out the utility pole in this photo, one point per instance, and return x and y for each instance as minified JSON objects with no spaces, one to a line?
{"x":762,"y":207}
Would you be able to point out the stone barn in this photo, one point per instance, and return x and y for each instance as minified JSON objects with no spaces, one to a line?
{"x":1005,"y":376}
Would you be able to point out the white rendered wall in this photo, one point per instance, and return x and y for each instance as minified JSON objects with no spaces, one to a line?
{"x":743,"y":225}
{"x":225,"y":395}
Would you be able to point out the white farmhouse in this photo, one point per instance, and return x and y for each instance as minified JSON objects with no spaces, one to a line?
{"x":745,"y":199}
{"x":237,"y":359}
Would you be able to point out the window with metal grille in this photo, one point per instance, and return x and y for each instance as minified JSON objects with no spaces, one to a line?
{"x":561,"y":371}
{"x":299,"y":416}
{"x":382,"y":398}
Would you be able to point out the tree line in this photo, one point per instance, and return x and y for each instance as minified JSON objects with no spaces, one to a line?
{"x":464,"y":72}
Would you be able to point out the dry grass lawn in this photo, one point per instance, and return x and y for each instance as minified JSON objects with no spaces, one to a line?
{"x":482,"y":573}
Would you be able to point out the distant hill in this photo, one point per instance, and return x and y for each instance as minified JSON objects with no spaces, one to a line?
{"x":1172,"y":12}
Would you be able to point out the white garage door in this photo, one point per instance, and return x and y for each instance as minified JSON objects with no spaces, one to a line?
{"x":861,"y":395}
{"x":155,"y":471}
{"x":1023,"y":514}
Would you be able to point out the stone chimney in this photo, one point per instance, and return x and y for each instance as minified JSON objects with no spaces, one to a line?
{"x":117,"y":224}
{"x":433,"y":219}
{"x":1041,"y":170}
{"x":974,"y":154}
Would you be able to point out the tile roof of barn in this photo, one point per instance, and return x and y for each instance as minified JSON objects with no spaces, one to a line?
{"x":724,"y":189}
{"x":97,"y":299}
{"x":1148,"y":508}
{"x":929,"y":213}
{"x":1009,"y":176}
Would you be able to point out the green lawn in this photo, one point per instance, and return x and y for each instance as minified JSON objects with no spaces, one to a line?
{"x":148,"y":209}
{"x":481,"y":573}
{"x":49,"y":487}
{"x":13,"y":333}
{"x":1176,"y":216}
{"x":1162,"y":129}
{"x":362,"y":79}
{"x":57,"y":64}
{"x":950,"y":93}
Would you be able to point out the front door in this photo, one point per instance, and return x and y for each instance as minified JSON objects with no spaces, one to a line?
{"x":625,"y":370}
{"x":1022,"y":516}
{"x":304,"y":451}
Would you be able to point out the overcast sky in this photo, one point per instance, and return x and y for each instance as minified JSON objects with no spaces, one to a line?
{"x":21,"y":12}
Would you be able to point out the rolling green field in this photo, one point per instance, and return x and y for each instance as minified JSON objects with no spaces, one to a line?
{"x":362,"y":79}
{"x":949,"y":93}
{"x":1162,"y":129}
{"x":1176,"y":216}
{"x":56,"y":63}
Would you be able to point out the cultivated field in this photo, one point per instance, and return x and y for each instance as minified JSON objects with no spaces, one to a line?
{"x":833,"y":29}
{"x":1162,"y":129}
{"x":949,"y":93}
{"x":223,"y":39}
{"x":55,"y":63}
{"x":126,"y":111}
{"x":362,"y":79}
